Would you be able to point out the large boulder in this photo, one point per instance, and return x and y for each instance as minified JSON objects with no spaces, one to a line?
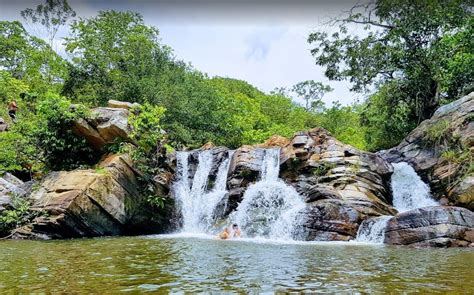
{"x":88,"y":203}
{"x":342,"y":185}
{"x":441,"y":151}
{"x":106,"y":125}
{"x":3,"y":125}
{"x":10,"y":186}
{"x":439,"y":226}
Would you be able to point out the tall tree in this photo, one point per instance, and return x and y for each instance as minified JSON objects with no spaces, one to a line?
{"x":29,"y":58}
{"x":402,"y":44}
{"x":51,"y":15}
{"x":312,"y":93}
{"x":115,"y":56}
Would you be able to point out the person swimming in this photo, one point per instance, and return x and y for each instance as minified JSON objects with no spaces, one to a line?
{"x":235,"y":231}
{"x":225,"y":234}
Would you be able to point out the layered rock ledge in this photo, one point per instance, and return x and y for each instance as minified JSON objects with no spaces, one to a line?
{"x":440,"y":226}
{"x":441,"y":151}
{"x":94,"y":202}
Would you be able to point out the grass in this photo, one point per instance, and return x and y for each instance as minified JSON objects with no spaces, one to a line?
{"x":438,"y":133}
{"x":323,"y":168}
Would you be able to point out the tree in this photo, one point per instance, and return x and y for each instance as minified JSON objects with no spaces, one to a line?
{"x":52,"y":15}
{"x":115,"y":56}
{"x":401,"y":43}
{"x":29,"y":58}
{"x":312,"y":92}
{"x":344,"y":123}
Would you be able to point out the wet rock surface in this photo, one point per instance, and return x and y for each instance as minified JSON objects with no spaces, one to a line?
{"x":341,"y":185}
{"x":451,"y":129}
{"x":439,"y":226}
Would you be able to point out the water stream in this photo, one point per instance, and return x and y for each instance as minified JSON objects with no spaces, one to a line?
{"x":196,"y":201}
{"x":409,"y":192}
{"x":269,"y":208}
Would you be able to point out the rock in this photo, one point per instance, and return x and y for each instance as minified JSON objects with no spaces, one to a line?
{"x":449,"y":181}
{"x":82,"y":128}
{"x":244,"y":170}
{"x":341,"y":185}
{"x":439,"y":226}
{"x":88,"y":203}
{"x":111,"y":123}
{"x":105,"y":126}
{"x":3,"y":125}
{"x":330,"y":220}
{"x":275,"y":141}
{"x":10,"y":185}
{"x":116,"y":104}
{"x":5,"y":202}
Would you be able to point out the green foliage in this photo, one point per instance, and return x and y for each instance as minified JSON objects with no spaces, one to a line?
{"x":344,"y":124}
{"x":52,"y":15}
{"x":157,"y":201}
{"x":18,"y":150}
{"x":16,"y":216}
{"x":60,"y":147}
{"x":386,"y":118}
{"x":312,"y":92}
{"x":115,"y":56}
{"x":323,"y":168}
{"x":438,"y":133}
{"x":10,"y":89}
{"x":30,"y":59}
{"x":417,"y":54}
{"x":148,"y":138}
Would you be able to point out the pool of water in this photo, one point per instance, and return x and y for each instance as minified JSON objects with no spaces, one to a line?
{"x":178,"y":263}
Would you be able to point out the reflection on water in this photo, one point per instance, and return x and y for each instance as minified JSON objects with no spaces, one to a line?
{"x":176,"y":264}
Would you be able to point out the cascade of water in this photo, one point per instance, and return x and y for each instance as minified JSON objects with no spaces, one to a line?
{"x":197,"y":204}
{"x":269,"y":207}
{"x":409,"y":191}
{"x":373,"y":230}
{"x":212,"y":198}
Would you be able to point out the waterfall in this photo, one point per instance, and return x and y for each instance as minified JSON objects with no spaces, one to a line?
{"x":373,"y":230}
{"x":269,"y":207}
{"x":197,"y":203}
{"x":409,"y":192}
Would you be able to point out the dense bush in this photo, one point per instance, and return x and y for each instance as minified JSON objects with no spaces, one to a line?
{"x":60,"y":147}
{"x":15,"y":216}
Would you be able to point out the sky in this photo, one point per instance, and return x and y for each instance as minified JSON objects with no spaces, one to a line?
{"x":263,"y":42}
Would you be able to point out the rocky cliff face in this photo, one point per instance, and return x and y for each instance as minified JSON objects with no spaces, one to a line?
{"x":88,"y":203}
{"x":11,"y":186}
{"x":440,"y":226}
{"x":107,"y":200}
{"x":341,"y":185}
{"x":441,"y":151}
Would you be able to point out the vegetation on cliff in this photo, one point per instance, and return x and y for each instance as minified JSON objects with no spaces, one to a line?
{"x":416,"y":56}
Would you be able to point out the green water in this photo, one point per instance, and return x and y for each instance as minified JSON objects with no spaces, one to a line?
{"x":174,"y":264}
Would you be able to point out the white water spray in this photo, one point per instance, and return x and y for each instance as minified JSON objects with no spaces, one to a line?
{"x":198,"y":204}
{"x":269,"y":207}
{"x":373,"y":230}
{"x":409,"y":192}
